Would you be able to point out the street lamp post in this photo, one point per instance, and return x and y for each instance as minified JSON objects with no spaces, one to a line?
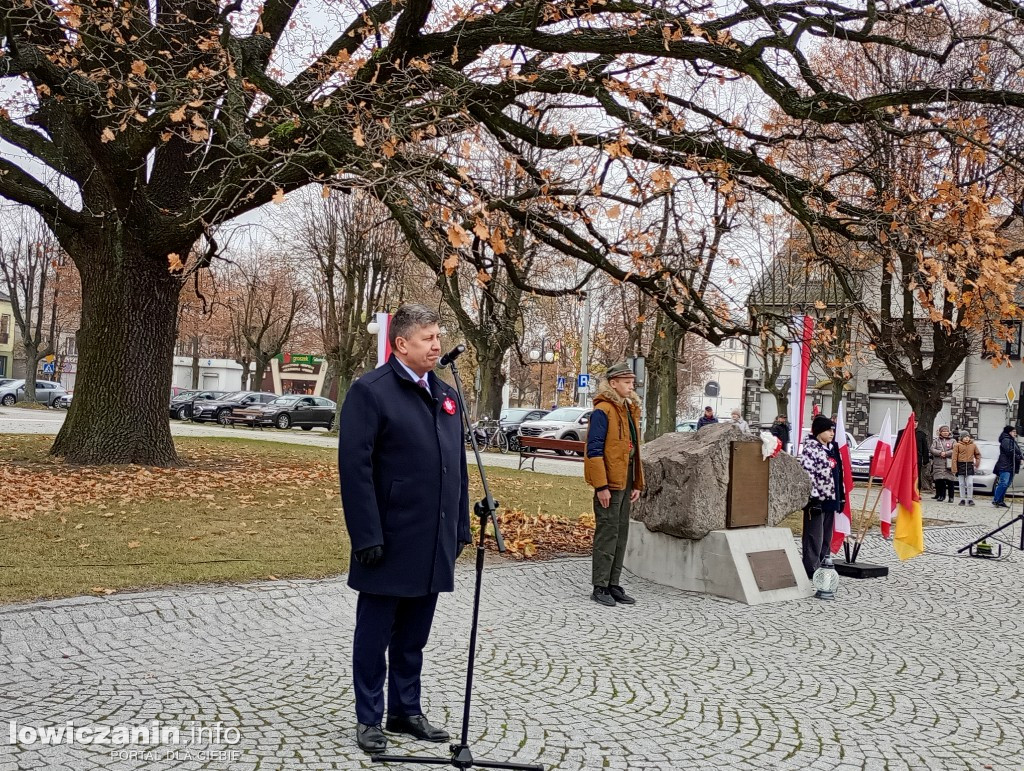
{"x":543,"y":356}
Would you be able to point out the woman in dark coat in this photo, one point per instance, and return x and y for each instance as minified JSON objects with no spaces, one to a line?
{"x":942,"y":473}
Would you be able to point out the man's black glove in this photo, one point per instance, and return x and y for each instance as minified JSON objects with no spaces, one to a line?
{"x":370,"y":556}
{"x":458,"y":551}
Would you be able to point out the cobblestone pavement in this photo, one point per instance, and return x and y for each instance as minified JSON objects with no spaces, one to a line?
{"x":918,"y":671}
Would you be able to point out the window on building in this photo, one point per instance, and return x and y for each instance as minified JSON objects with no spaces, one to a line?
{"x":3,"y":366}
{"x":1005,"y":337}
{"x":5,"y":329}
{"x":70,"y":346}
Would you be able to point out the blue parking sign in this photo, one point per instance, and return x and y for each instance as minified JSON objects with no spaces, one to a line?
{"x":583,"y":381}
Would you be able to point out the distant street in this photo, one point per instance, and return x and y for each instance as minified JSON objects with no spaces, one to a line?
{"x":14,"y":420}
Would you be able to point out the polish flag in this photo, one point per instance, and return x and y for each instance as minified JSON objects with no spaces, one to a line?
{"x":800,"y":366}
{"x":843,"y":520}
{"x":880,"y":463}
{"x":383,"y":343}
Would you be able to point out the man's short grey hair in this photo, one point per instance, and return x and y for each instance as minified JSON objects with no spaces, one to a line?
{"x":408,"y":319}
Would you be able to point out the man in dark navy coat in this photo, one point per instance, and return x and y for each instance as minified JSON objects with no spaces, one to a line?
{"x":404,"y":489}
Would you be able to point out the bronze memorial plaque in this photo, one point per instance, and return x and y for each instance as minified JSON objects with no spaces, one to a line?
{"x":747,"y":501}
{"x":771,"y":570}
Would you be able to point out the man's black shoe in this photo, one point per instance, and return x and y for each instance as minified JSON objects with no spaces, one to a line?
{"x":371,"y":739}
{"x":418,"y":726}
{"x":603,"y":596}
{"x":619,"y":595}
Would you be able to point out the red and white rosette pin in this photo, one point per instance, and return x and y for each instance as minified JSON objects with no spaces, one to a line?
{"x":448,"y":405}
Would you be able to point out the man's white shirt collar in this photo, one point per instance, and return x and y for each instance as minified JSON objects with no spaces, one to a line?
{"x":415,"y":378}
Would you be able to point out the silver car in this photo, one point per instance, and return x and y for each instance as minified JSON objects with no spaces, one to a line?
{"x":47,"y":392}
{"x":564,"y":423}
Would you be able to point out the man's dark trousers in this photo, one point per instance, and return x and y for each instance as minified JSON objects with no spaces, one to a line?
{"x":817,"y":538}
{"x":610,"y":535}
{"x":400,"y":626}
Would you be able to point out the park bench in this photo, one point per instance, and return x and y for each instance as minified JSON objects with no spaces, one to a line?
{"x":532,"y":447}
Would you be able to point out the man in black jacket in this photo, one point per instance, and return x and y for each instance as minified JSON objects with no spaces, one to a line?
{"x":1007,"y":465}
{"x":780,"y":429}
{"x":404,"y":490}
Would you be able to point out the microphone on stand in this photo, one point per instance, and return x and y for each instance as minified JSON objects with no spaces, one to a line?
{"x":451,"y":356}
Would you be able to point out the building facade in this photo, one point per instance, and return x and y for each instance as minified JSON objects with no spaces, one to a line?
{"x":7,"y":327}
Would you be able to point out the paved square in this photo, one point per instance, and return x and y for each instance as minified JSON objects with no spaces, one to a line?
{"x":922,"y":670}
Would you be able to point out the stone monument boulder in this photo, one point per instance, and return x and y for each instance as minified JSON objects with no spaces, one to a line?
{"x":687,"y":482}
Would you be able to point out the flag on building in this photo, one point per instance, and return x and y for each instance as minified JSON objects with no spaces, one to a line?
{"x":902,"y":484}
{"x":880,"y":463}
{"x":843,"y":522}
{"x":800,"y":366}
{"x":383,"y":343}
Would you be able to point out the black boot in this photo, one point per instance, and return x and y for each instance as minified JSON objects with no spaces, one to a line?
{"x":603,"y":596}
{"x":619,"y":595}
{"x":940,"y":496}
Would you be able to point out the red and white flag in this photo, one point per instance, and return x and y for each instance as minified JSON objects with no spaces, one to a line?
{"x":880,"y":462}
{"x":843,"y":520}
{"x":800,"y":366}
{"x":383,"y":343}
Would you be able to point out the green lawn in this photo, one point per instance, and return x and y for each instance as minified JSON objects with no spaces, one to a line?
{"x":240,"y":510}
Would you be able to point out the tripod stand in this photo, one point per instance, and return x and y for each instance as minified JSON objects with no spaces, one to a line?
{"x":970,"y":548}
{"x":486,"y":510}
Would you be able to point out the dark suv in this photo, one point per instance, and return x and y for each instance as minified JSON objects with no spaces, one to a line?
{"x":181,"y":404}
{"x":219,"y":409}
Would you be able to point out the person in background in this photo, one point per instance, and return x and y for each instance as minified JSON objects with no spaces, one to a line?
{"x":966,"y":457}
{"x":822,"y":462}
{"x":942,"y":460}
{"x":780,"y":430}
{"x":612,"y":467}
{"x":737,"y":418}
{"x":707,"y":418}
{"x":1007,"y":465}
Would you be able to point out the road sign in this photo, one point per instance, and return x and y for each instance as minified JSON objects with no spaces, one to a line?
{"x":1011,"y":395}
{"x":48,"y":368}
{"x":583,"y":381}
{"x":561,"y":383}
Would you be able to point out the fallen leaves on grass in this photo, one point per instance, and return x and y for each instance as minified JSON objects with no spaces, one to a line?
{"x":542,"y":536}
{"x":41,"y":486}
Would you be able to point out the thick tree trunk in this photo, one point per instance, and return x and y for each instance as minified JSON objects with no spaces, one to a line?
{"x":126,"y":353}
{"x":31,"y":367}
{"x":492,"y":381}
{"x":662,"y":378}
{"x":195,"y":362}
{"x":926,"y":403}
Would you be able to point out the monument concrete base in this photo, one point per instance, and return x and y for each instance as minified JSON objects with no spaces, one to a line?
{"x":752,"y":565}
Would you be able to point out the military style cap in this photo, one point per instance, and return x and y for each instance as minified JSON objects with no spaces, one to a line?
{"x":622,"y":369}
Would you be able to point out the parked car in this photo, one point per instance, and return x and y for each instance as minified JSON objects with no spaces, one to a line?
{"x":564,"y":423}
{"x":47,"y":392}
{"x":984,"y":476}
{"x":511,"y":419}
{"x":182,"y":404}
{"x":306,"y":412}
{"x":218,"y":409}
{"x":64,"y":402}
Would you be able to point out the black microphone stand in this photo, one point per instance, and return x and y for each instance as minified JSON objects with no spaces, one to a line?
{"x":486,"y":510}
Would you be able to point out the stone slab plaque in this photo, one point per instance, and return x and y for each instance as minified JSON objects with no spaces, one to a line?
{"x":747,"y":503}
{"x":771,"y":570}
